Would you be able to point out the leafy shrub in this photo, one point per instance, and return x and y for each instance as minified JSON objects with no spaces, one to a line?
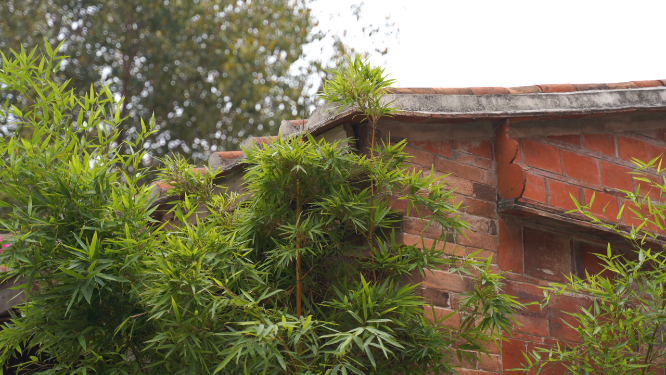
{"x":301,"y":276}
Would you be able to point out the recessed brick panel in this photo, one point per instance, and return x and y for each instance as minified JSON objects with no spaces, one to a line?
{"x":580,"y":167}
{"x":560,"y":194}
{"x":438,"y":147}
{"x":601,"y":143}
{"x":510,"y":250}
{"x":547,"y":255}
{"x":631,"y":148}
{"x":542,"y":156}
{"x":615,"y":176}
{"x":482,"y":147}
{"x":586,"y":258}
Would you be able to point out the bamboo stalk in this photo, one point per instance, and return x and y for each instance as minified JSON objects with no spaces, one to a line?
{"x":372,"y":202}
{"x":298,"y":247}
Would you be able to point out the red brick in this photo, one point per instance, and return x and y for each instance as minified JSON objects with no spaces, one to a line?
{"x":531,"y":325}
{"x":573,"y":139}
{"x":513,"y":354}
{"x":547,"y":255}
{"x":560,"y":194}
{"x":438,"y":147}
{"x":476,"y":207}
{"x":436,"y":297}
{"x":460,"y":185}
{"x":418,"y":241}
{"x":556,"y":368}
{"x":535,"y":188}
{"x":490,"y":363}
{"x":580,"y":167}
{"x":587,"y":259}
{"x":482,"y":254}
{"x":485,"y":192}
{"x":416,"y":226}
{"x":479,"y":147}
{"x":615,"y":176}
{"x":474,"y":160}
{"x":420,"y":157}
{"x":542,"y":156}
{"x":560,"y":306}
{"x":631,"y":218}
{"x":479,"y":240}
{"x":444,"y":280}
{"x":510,"y":251}
{"x":601,"y":143}
{"x":452,"y":321}
{"x":646,"y":188}
{"x":630,"y":148}
{"x":656,"y":151}
{"x":602,"y":201}
{"x":527,"y":293}
{"x":468,"y":371}
{"x":461,"y":170}
{"x":563,"y":87}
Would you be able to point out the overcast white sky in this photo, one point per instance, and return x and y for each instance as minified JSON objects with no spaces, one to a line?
{"x":467,"y":43}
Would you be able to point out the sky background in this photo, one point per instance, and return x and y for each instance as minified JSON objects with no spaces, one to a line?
{"x":468,"y":43}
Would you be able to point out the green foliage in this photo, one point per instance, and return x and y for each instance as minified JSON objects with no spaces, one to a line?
{"x":624,"y":330}
{"x":80,"y":226}
{"x":212,"y":72}
{"x":360,"y":86}
{"x":112,"y":291}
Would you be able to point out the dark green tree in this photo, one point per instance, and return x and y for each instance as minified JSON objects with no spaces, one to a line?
{"x":211,"y":71}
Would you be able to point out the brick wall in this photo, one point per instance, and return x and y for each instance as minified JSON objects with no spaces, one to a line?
{"x":533,"y":253}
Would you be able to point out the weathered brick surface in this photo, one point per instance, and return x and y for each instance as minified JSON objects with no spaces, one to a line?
{"x":547,"y":255}
{"x":630,"y":148}
{"x":437,"y":147}
{"x":532,"y":253}
{"x":615,"y":176}
{"x":561,"y":193}
{"x":600,"y":143}
{"x":581,"y":167}
{"x":542,"y":156}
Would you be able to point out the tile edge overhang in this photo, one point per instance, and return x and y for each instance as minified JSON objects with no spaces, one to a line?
{"x":423,"y":107}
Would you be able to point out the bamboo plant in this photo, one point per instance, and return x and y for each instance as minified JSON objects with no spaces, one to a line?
{"x":113,"y":291}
